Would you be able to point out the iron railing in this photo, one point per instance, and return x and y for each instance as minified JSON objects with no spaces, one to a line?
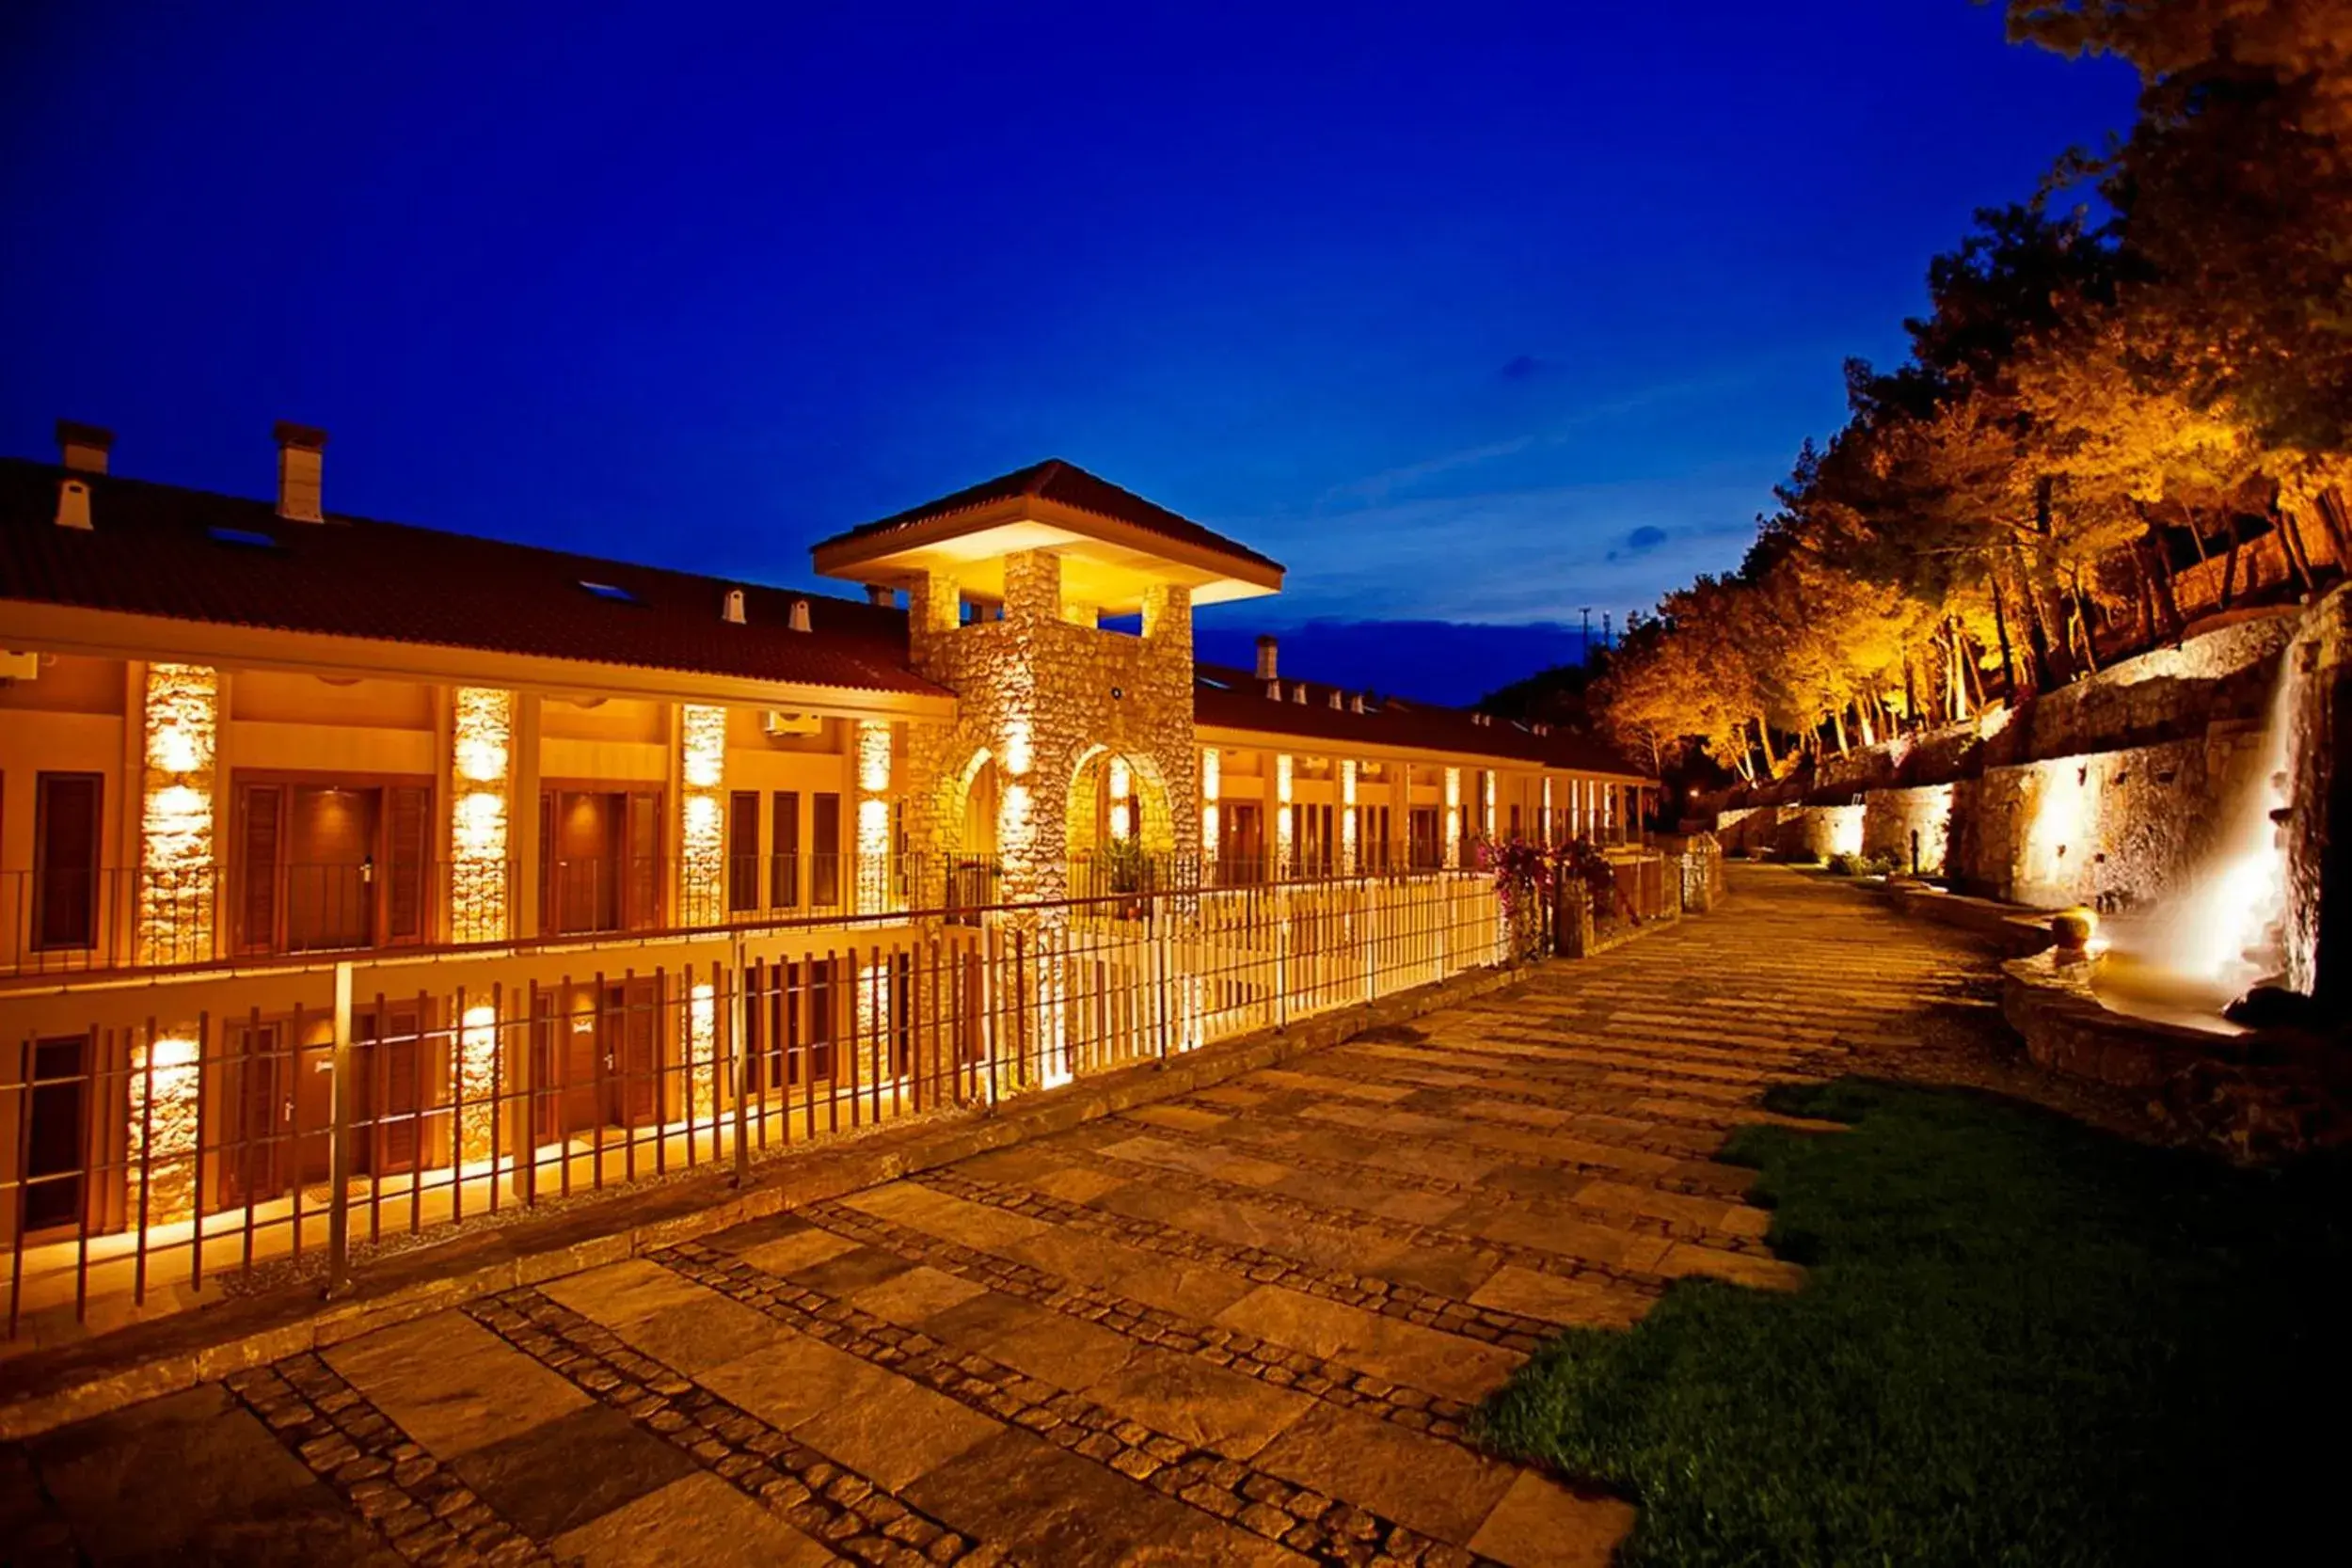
{"x":173,"y":1134}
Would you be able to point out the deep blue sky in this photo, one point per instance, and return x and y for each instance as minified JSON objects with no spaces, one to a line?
{"x":1464,"y":314}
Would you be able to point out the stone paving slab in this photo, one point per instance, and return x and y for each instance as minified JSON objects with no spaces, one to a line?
{"x":1243,"y":1324}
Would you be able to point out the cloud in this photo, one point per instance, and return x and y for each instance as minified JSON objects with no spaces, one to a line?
{"x":1520,"y":367}
{"x":1645,"y":539}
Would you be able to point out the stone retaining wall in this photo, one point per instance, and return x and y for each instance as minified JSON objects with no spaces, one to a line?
{"x":2107,"y":792}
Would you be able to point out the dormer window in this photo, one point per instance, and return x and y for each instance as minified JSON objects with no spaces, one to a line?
{"x":611,"y":591}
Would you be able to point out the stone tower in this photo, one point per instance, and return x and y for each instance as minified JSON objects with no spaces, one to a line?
{"x":1008,"y":584}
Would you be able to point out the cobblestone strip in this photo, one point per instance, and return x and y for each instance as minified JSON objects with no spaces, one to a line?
{"x":1311,"y":1522}
{"x":1318,"y":1377}
{"x":1389,"y":1298}
{"x":1730,"y":1187}
{"x":1411,"y":1233}
{"x":850,"y":1512}
{"x":1251,"y":1138}
{"x":1703,"y":1042}
{"x":1670,"y":1059}
{"x":418,"y":1503}
{"x":1503,"y":1076}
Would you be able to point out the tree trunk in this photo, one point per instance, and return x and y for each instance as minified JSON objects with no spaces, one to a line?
{"x":2158,"y":566}
{"x":2040,"y":669}
{"x":2008,"y":655}
{"x":1764,"y":743}
{"x":2080,"y":608}
{"x":1957,"y":651}
{"x":2291,"y":539}
{"x":1837,"y":728}
{"x":2228,"y":567}
{"x":1969,"y":667}
{"x":2339,"y":524}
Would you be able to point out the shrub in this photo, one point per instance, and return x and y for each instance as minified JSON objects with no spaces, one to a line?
{"x":1842,"y":864}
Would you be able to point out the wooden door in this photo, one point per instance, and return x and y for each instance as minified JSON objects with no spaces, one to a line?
{"x":581,"y":877}
{"x":629,"y":1035}
{"x":330,"y":867}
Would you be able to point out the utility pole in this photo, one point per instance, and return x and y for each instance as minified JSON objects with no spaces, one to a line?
{"x":1585,"y":646}
{"x":1608,"y":639}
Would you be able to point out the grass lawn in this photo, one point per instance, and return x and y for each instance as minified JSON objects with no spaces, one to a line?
{"x":2022,"y":1341}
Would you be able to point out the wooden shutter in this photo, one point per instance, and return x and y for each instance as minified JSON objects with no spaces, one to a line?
{"x":408,"y":850}
{"x":783,"y":842}
{"x":548,"y":911}
{"x":742,"y":850}
{"x":643,"y":852}
{"x":66,"y":838}
{"x":825,"y":828}
{"x":261,"y":831}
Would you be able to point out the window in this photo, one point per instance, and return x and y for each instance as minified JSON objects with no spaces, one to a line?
{"x":824,"y":877}
{"x":743,"y":851}
{"x":65,"y":826}
{"x":247,"y":538}
{"x":611,"y":591}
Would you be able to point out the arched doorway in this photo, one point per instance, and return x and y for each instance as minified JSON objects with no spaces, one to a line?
{"x":974,"y":868}
{"x":1119,"y":833}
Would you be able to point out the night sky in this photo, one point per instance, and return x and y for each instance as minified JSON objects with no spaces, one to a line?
{"x":1464,"y":315}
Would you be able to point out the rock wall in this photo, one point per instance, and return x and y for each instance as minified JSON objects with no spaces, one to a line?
{"x":2113,"y":829}
{"x":2319,"y":831}
{"x":1910,"y":827}
{"x":2107,"y":792}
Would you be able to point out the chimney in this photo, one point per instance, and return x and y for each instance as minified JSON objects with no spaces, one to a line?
{"x":731,"y":611}
{"x":1298,"y":693}
{"x":1335,"y":698}
{"x":1356,"y":704}
{"x":1265,"y":659}
{"x":881,"y":594}
{"x":1274,"y":691}
{"x":73,"y":503}
{"x":301,"y":452}
{"x":82,"y":448}
{"x":799,"y":621}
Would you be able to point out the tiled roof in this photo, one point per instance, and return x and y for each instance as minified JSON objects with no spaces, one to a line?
{"x":156,"y":549}
{"x":1065,"y":483}
{"x":1238,"y":701}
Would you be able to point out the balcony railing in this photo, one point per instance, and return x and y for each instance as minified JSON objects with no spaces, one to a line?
{"x":305,"y":1118}
{"x":63,"y":925}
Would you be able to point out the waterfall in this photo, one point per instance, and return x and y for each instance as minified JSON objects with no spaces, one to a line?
{"x":2223,"y":931}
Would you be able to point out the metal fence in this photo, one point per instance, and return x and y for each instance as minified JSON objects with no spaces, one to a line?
{"x":169,"y":1135}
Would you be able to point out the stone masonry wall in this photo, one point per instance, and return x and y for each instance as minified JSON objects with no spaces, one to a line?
{"x":2106,"y":793}
{"x":1041,"y":696}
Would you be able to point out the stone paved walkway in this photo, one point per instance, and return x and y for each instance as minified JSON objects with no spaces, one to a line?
{"x":1244,"y":1326}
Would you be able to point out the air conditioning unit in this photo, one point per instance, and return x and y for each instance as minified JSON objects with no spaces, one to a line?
{"x":776,"y":722}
